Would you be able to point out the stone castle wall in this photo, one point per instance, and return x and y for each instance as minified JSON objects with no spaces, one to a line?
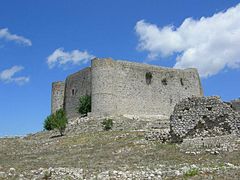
{"x":57,"y":100}
{"x":121,"y":87}
{"x":77,"y":85}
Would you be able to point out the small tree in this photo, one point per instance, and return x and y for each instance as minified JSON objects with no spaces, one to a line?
{"x":107,"y":124}
{"x":84,"y":105}
{"x":48,"y":123}
{"x":58,"y":120}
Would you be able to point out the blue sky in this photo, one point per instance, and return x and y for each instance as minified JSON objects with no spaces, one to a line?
{"x":44,"y":41}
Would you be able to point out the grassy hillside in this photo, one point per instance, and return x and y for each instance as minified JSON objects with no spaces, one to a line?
{"x":96,"y":152}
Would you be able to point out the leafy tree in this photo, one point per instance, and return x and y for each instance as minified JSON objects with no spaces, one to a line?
{"x":84,"y":105}
{"x":58,"y":120}
{"x":48,"y":123}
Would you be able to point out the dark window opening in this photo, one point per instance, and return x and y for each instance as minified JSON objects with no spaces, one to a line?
{"x":209,"y":108}
{"x":179,"y":117}
{"x":148,"y":77}
{"x":186,"y":109}
{"x":181,"y":81}
{"x":204,"y":117}
{"x":164,"y":81}
{"x":73,"y":92}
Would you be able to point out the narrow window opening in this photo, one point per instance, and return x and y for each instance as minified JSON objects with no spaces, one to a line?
{"x":209,"y":108}
{"x":73,"y":92}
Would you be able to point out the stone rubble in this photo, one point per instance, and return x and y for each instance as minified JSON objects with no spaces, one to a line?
{"x":212,"y":145}
{"x":201,"y":125}
{"x":93,"y":124}
{"x":78,"y":173}
{"x":203,"y":117}
{"x":161,"y":135}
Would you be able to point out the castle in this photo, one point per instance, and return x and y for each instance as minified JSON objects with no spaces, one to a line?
{"x":121,"y":87}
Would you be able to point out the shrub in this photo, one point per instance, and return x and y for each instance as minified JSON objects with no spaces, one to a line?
{"x":148,"y":77}
{"x":58,"y":120}
{"x":47,"y":175}
{"x":84,"y":105}
{"x":107,"y":124}
{"x":191,"y":172}
{"x":48,"y":123}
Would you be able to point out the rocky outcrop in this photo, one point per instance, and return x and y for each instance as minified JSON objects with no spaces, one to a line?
{"x":203,"y":117}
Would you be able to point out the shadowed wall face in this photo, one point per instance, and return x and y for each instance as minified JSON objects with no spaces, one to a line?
{"x":77,"y":85}
{"x":57,"y":100}
{"x":121,"y":87}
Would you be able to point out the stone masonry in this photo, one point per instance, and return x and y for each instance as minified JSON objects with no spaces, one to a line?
{"x":203,"y":117}
{"x":235,"y":104}
{"x":127,"y":88}
{"x":58,"y":89}
{"x":77,"y":85}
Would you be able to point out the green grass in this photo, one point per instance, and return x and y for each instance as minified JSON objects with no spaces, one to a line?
{"x":191,"y":172}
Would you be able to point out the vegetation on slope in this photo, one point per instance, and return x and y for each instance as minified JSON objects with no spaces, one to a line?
{"x":58,"y":121}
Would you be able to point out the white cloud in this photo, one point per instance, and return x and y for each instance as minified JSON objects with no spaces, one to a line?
{"x":60,"y":57}
{"x":7,"y":75}
{"x":5,"y":34}
{"x":209,"y":44}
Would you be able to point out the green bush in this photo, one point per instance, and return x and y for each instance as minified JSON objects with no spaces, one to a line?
{"x":191,"y":172}
{"x":58,"y":120}
{"x":107,"y":124}
{"x":84,"y":105}
{"x":48,"y":123}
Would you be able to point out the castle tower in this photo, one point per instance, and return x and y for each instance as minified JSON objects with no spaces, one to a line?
{"x":57,"y":101}
{"x":123,"y":87}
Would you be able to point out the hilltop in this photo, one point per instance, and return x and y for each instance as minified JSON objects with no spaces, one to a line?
{"x":109,"y":155}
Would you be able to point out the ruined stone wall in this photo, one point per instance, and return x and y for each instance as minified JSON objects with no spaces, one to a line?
{"x":121,"y":87}
{"x":57,"y":98}
{"x":203,"y":117}
{"x":77,"y":85}
{"x":235,"y":104}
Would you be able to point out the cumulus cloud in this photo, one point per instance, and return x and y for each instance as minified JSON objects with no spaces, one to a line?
{"x":5,"y":34}
{"x":8,"y":75}
{"x":209,"y":44}
{"x":60,"y":57}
